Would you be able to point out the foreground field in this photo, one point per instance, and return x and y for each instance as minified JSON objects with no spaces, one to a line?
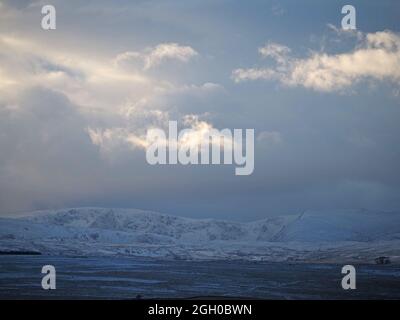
{"x":128,"y":277}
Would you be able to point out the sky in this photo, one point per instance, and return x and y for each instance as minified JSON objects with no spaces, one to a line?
{"x":76,"y":103}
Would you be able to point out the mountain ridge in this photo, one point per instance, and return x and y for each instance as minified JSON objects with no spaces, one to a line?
{"x":105,"y":231}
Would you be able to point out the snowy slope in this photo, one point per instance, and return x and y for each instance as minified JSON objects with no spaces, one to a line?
{"x":310,"y":236}
{"x":177,"y":228}
{"x":345,"y":225}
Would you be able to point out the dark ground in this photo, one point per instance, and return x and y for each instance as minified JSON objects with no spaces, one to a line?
{"x":127,"y":277}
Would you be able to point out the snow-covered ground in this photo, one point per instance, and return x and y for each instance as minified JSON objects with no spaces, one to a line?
{"x":339,"y":236}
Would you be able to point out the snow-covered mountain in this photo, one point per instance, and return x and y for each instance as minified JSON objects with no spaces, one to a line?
{"x":324,"y":236}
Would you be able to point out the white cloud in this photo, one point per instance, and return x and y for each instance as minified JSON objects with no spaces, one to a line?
{"x":376,"y":57}
{"x":112,"y":140}
{"x":118,"y":104}
{"x":127,"y":56}
{"x":92,"y":82}
{"x":88,"y":81}
{"x":202,"y":89}
{"x":276,"y":51}
{"x":152,"y":57}
{"x":346,"y":33}
{"x":169,"y":51}
{"x":240,"y":75}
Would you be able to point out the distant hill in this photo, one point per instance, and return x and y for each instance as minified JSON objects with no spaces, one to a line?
{"x":355,"y":234}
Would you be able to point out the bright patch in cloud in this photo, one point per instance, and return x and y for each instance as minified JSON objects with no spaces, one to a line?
{"x":110,"y":140}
